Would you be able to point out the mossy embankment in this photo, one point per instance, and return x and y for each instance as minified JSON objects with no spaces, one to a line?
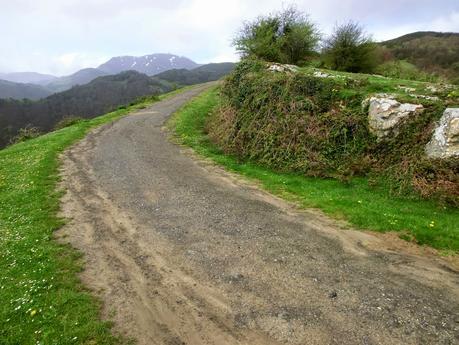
{"x":317,"y":126}
{"x":307,"y":140}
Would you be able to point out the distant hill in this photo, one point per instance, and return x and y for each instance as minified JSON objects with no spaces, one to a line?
{"x":434,"y":52}
{"x":101,"y":95}
{"x":202,"y":74}
{"x":81,"y":77}
{"x":28,"y":77}
{"x":58,"y":84}
{"x":148,"y":64}
{"x":9,"y":89}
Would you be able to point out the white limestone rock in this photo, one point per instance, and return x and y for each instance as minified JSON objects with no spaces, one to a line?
{"x":277,"y":67}
{"x":445,"y":139}
{"x":406,"y":89}
{"x":385,"y":115}
{"x":439,"y":87}
{"x":320,"y":74}
{"x":429,"y":98}
{"x":432,"y":88}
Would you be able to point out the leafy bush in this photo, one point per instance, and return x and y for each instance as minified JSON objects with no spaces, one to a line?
{"x":25,"y":134}
{"x":289,"y":122}
{"x":67,"y":121}
{"x":285,"y":37}
{"x":350,"y":49}
{"x":301,"y":123}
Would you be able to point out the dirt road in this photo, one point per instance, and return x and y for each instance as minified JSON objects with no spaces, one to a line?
{"x":183,"y":253}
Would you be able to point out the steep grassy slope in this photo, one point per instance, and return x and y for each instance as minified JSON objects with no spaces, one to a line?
{"x":361,"y":204}
{"x":42,"y":301}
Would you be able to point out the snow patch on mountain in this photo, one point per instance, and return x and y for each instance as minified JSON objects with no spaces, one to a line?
{"x":148,"y":64}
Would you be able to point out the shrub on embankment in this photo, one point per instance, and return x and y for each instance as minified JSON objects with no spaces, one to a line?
{"x":299,"y":122}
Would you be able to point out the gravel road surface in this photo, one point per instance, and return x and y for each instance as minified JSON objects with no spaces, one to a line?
{"x":182,"y":252}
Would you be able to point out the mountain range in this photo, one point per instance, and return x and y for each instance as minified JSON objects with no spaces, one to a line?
{"x":28,"y":77}
{"x":148,"y":64}
{"x":9,"y":89}
{"x":44,"y":85}
{"x":99,"y":96}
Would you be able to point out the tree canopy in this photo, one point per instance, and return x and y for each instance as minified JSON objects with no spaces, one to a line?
{"x":286,"y":37}
{"x":350,"y":49}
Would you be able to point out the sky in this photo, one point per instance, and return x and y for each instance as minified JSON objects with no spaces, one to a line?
{"x":62,"y":36}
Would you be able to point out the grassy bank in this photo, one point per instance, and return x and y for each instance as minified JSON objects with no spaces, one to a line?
{"x":41,"y":298}
{"x":362,"y":206}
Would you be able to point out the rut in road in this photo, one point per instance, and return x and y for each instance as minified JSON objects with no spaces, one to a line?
{"x":184,"y":253}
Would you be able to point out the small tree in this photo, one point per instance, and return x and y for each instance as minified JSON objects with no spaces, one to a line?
{"x":285,"y":37}
{"x":350,"y":49}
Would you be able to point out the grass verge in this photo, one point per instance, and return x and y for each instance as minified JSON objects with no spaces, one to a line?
{"x":362,"y":206}
{"x":41,"y":298}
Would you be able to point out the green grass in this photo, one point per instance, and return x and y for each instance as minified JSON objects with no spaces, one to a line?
{"x":362,"y":206}
{"x":402,"y":88}
{"x":41,"y":298}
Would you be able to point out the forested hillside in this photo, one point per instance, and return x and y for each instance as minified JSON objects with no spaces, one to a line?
{"x":81,"y":77}
{"x":100,"y":96}
{"x":434,"y":52}
{"x":14,"y":90}
{"x":202,"y":74}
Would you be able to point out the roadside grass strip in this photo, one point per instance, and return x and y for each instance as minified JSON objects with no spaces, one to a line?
{"x":41,"y":298}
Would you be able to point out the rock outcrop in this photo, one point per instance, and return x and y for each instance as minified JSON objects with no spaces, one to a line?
{"x":445,"y":139}
{"x":387,"y":114}
{"x":277,"y":67}
{"x":320,"y":74}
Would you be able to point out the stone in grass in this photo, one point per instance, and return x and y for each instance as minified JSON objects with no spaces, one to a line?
{"x":320,"y":74}
{"x":445,"y":139}
{"x":385,"y":115}
{"x":277,"y":67}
